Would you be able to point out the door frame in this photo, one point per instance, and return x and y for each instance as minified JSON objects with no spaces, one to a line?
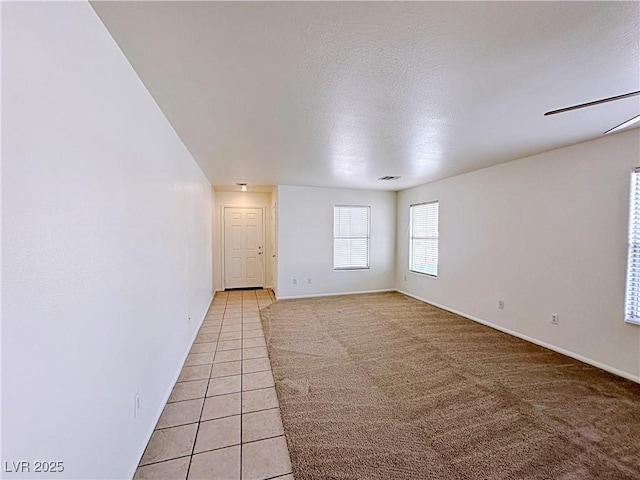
{"x":223,"y":207}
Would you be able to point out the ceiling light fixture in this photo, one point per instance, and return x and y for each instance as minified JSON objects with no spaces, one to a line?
{"x":628,"y":123}
{"x":243,"y":186}
{"x":389,"y":177}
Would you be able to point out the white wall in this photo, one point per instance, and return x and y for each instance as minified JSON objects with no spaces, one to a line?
{"x":239,"y":199}
{"x":545,"y":234}
{"x":106,"y":246}
{"x":215,"y":255}
{"x":274,"y":240}
{"x":305,"y":241}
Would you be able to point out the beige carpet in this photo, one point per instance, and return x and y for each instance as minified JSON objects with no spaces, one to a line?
{"x":382,"y":386}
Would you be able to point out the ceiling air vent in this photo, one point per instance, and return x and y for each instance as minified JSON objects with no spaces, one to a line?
{"x":389,"y":177}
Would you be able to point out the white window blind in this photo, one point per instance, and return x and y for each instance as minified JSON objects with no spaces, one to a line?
{"x":632,"y":307}
{"x":350,"y":237}
{"x":423,"y":246}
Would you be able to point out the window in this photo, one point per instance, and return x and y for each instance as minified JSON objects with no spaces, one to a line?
{"x":632,"y":304}
{"x":423,"y":246}
{"x":350,"y":237}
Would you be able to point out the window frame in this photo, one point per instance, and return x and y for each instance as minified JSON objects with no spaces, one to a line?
{"x":368,"y":238}
{"x":412,"y":238}
{"x":632,"y":282}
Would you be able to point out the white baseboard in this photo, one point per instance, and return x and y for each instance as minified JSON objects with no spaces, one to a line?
{"x":602,"y":366}
{"x":168,"y":394}
{"x":291,"y":297}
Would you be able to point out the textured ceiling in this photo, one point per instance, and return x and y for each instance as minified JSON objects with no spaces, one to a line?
{"x":341,"y":93}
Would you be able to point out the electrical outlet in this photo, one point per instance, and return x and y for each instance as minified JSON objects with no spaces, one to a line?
{"x":405,"y":278}
{"x":295,"y":281}
{"x":500,"y":304}
{"x":136,"y":405}
{"x":554,"y":318}
{"x":309,"y":280}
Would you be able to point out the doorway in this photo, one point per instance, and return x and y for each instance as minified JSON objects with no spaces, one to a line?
{"x":243,"y":247}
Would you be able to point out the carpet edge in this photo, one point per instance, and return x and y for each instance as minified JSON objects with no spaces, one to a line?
{"x":568,"y":353}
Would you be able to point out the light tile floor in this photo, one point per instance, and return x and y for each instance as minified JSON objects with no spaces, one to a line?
{"x":222,"y":420}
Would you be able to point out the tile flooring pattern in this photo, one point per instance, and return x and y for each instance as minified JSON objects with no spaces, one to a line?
{"x":222,"y":419}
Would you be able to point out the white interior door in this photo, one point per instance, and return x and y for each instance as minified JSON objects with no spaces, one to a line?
{"x":243,"y":248}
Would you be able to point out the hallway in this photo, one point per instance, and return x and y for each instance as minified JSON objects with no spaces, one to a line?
{"x":222,"y":419}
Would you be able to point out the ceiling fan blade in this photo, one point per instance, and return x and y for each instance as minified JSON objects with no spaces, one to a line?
{"x":595,"y":102}
{"x":626,"y":124}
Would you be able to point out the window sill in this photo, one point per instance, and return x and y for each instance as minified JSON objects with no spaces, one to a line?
{"x":425,"y":274}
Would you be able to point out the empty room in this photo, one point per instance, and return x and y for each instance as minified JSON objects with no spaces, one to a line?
{"x":320,"y":240}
